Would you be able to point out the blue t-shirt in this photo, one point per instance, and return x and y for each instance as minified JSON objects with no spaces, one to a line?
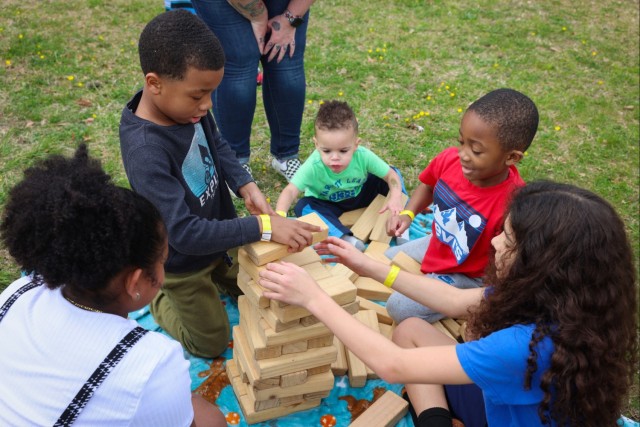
{"x":497,"y":364}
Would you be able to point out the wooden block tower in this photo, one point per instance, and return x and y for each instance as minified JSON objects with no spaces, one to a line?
{"x":282,"y":355}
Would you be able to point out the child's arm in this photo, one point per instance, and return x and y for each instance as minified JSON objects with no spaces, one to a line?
{"x":421,"y":197}
{"x":254,"y":200}
{"x":394,"y":199}
{"x":286,"y":198}
{"x":293,"y":285}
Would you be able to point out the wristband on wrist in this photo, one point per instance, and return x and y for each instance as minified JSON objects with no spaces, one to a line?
{"x":391,"y":277}
{"x":282,"y":213}
{"x":266,"y":228}
{"x":408,"y":213}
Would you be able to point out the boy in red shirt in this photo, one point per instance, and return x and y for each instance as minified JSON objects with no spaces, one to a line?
{"x":469,"y":188}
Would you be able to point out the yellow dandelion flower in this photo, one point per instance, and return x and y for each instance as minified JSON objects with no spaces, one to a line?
{"x":340,"y":93}
{"x":439,"y":90}
{"x":427,"y":113}
{"x":380,"y":58}
{"x":7,"y":62}
{"x":121,"y":49}
{"x":20,"y":36}
{"x":557,"y":128}
{"x":80,"y":84}
{"x":100,"y":38}
{"x":70,"y":78}
{"x":594,"y":53}
{"x":132,"y":43}
{"x":452,"y":94}
{"x":526,"y":153}
{"x":459,"y":110}
{"x":386,"y":125}
{"x":384,"y":50}
{"x":370,"y":51}
{"x":422,"y":113}
{"x":371,"y":30}
{"x":447,"y":87}
{"x":384,"y":45}
{"x":564,"y":28}
{"x":309,"y":102}
{"x":385,"y":117}
{"x":584,"y":42}
{"x":533,"y":33}
{"x":321,"y":102}
{"x":94,"y":115}
{"x":600,"y":82}
{"x":428,"y":97}
{"x":441,"y":83}
{"x":268,"y":199}
{"x":377,"y":49}
{"x":496,"y":65}
{"x":406,"y":120}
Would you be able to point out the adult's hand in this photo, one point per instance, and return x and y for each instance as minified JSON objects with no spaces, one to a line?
{"x":254,"y":200}
{"x":293,"y":233}
{"x":281,"y":39}
{"x":260,"y":29}
{"x":347,"y":254}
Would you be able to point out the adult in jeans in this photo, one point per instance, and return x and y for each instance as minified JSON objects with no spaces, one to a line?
{"x":272,"y":33}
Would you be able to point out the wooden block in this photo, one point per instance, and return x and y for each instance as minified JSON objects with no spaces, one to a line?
{"x":317,"y":395}
{"x":294,"y":347}
{"x":253,"y":291}
{"x":351,"y":308}
{"x":292,"y":400}
{"x":261,"y":405}
{"x":387,"y":411}
{"x":439,"y":326}
{"x":463,"y":331}
{"x":259,"y":348}
{"x":341,"y":290}
{"x":294,"y":378}
{"x":324,"y":341}
{"x":372,"y":290}
{"x":307,"y":256}
{"x":363,"y":226}
{"x":381,"y":312}
{"x":252,"y":269}
{"x":379,"y":231}
{"x":319,"y":370}
{"x":295,"y":333}
{"x":263,"y":252}
{"x":342,"y":270}
{"x":370,"y":319}
{"x":277,"y":366}
{"x":376,"y":251}
{"x":274,"y":323}
{"x":349,"y":218}
{"x":452,"y":326}
{"x":406,"y":263}
{"x":252,"y":416}
{"x":387,"y":330}
{"x":234,"y":376}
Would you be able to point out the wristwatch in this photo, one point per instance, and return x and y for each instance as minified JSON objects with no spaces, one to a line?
{"x":294,"y":20}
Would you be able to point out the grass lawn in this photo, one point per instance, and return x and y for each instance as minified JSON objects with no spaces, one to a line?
{"x":408,"y":68}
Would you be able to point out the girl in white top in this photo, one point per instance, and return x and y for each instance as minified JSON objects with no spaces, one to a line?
{"x":95,"y":252}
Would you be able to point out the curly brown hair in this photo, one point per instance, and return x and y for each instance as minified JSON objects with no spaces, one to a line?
{"x":573,"y":277}
{"x":333,"y":115}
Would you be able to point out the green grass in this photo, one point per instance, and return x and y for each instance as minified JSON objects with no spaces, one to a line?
{"x":401,"y":65}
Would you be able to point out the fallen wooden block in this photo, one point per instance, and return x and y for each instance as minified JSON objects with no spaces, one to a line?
{"x":349,"y":218}
{"x":371,"y":289}
{"x":363,"y":226}
{"x":387,"y":411}
{"x":264,"y":252}
{"x":379,"y":231}
{"x":406,"y":263}
{"x":381,"y":312}
{"x":376,"y":251}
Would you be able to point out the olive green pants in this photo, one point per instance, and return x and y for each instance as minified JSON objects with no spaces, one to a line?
{"x":189,"y":308}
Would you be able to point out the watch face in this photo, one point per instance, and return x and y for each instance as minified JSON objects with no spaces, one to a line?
{"x":295,"y":21}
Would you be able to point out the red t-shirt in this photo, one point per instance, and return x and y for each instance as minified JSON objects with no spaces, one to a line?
{"x":466,"y":217}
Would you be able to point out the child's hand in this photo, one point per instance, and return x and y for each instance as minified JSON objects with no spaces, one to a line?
{"x":293,"y":233}
{"x":288,"y":283}
{"x":397,"y":224}
{"x":344,"y":253}
{"x":393,"y":206}
{"x":254,"y":200}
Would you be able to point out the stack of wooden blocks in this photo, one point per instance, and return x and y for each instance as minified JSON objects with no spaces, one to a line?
{"x":284,"y":360}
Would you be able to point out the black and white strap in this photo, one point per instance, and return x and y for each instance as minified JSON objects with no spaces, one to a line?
{"x":78,"y":403}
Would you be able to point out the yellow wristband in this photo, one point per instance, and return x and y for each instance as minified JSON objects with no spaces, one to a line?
{"x":408,"y":213}
{"x":266,"y":228}
{"x":282,"y":213}
{"x":391,"y":277}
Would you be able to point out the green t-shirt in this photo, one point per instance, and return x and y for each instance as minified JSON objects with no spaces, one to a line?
{"x":317,"y":180}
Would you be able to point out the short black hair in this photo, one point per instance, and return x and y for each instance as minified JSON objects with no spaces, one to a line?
{"x":333,"y":115}
{"x":176,"y":40}
{"x":514,"y":115}
{"x":68,"y":224}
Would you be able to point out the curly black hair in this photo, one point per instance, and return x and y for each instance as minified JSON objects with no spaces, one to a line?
{"x":174,"y":41}
{"x":333,"y":115}
{"x":514,"y":115}
{"x":68,"y":224}
{"x":573,"y":277}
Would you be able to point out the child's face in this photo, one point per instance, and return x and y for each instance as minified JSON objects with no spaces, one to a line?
{"x":187,"y":100}
{"x":504,"y":245}
{"x":483,"y":160}
{"x":336,"y":147}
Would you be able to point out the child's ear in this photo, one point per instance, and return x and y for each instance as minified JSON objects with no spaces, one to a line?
{"x":357,"y":142}
{"x":153,"y":82}
{"x":132,"y":282}
{"x":514,"y":157}
{"x":315,"y":141}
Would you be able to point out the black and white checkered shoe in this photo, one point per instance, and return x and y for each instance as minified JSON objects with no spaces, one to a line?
{"x":286,"y":168}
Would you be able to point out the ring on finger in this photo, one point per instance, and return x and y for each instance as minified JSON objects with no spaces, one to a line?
{"x":277,"y":47}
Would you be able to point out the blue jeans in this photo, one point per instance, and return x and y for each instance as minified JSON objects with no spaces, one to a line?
{"x":283,"y":85}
